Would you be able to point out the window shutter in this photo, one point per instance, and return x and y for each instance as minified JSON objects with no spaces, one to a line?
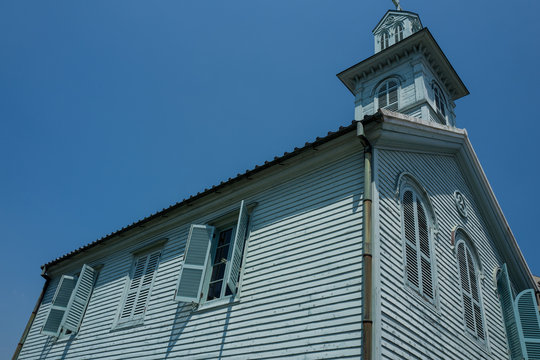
{"x":425,"y":252}
{"x":530,"y":322}
{"x":411,"y":254}
{"x":511,"y":320}
{"x":140,"y":284}
{"x":233,"y":271}
{"x":79,"y":299}
{"x":59,"y":305}
{"x":195,"y":261}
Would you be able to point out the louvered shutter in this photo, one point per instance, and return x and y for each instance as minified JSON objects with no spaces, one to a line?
{"x":510,"y":316}
{"x":530,"y":322}
{"x":195,"y":262}
{"x":233,"y":270}
{"x":411,"y":253}
{"x":425,"y":251}
{"x":59,"y":305}
{"x":79,"y":299}
{"x":139,"y":288}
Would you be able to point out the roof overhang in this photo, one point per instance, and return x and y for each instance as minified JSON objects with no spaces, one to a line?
{"x":420,"y":42}
{"x":392,"y":130}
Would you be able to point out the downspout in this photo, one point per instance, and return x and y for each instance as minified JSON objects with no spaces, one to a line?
{"x":367,"y":254}
{"x":33,"y":315}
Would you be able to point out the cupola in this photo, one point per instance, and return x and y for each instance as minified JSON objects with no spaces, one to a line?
{"x":408,"y":73}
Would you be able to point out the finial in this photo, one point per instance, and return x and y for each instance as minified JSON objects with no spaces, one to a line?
{"x":396,"y":2}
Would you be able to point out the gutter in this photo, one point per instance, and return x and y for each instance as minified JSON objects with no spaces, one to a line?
{"x":33,"y":314}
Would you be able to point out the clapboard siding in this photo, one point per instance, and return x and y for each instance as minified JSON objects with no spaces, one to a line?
{"x":411,"y":327}
{"x":300,"y":291}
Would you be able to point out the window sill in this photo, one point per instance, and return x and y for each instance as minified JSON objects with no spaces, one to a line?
{"x":217,"y":304}
{"x":127,"y":325}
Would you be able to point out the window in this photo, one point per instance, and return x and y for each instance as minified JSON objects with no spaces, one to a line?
{"x":521,"y":319}
{"x":69,"y":303}
{"x":212,"y":261}
{"x":416,"y":235}
{"x":398,"y":33}
{"x":468,"y":271}
{"x":384,"y":40}
{"x":387,"y":95}
{"x":440,"y":101}
{"x":138,"y":289}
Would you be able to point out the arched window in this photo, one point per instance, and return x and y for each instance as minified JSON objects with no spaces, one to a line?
{"x":398,"y":33}
{"x":416,"y":234}
{"x":387,"y":95}
{"x":468,"y":271}
{"x":384,"y":40}
{"x":440,"y":101}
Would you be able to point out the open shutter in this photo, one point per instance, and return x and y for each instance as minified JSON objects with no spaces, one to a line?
{"x":511,"y":320}
{"x":530,"y":322}
{"x":79,"y":300}
{"x":59,"y":305}
{"x":233,"y":270}
{"x":195,"y":262}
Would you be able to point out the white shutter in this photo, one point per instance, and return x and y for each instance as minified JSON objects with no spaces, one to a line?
{"x":425,"y":252}
{"x":79,"y":299}
{"x":411,"y":253}
{"x":140,"y":284}
{"x":191,"y":276}
{"x":233,"y":270}
{"x":59,"y":305}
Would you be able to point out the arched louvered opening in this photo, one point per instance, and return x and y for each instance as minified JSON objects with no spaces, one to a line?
{"x":470,"y":290}
{"x":384,"y":40}
{"x":398,"y":33}
{"x":440,"y":101}
{"x":387,"y":95}
{"x":418,"y":254}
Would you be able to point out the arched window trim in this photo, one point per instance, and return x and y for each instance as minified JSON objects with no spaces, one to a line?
{"x":385,"y":82}
{"x":408,"y":183}
{"x":463,"y":239}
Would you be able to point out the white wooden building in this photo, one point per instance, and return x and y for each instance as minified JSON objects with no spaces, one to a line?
{"x":381,"y":240}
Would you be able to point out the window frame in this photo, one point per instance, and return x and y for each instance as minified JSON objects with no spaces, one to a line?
{"x":441,"y":105}
{"x":409,"y":183}
{"x":462,"y":239}
{"x":210,"y":264}
{"x":385,"y":40}
{"x":386,"y":84}
{"x":398,"y":32}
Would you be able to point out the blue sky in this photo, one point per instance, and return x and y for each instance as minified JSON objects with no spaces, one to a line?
{"x":111,"y":111}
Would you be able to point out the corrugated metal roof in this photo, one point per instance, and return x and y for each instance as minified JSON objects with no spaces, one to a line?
{"x":267,"y":164}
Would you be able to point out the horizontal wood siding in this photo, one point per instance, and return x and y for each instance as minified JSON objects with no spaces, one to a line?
{"x":410,"y":327}
{"x":301,"y":290}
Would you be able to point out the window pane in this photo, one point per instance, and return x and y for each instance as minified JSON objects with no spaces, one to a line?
{"x":217,"y":272}
{"x":214,"y":290}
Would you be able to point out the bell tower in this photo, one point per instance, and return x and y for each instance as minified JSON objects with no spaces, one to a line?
{"x":408,"y":73}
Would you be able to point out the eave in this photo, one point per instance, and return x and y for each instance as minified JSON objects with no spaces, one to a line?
{"x":420,"y":42}
{"x":194,"y":199}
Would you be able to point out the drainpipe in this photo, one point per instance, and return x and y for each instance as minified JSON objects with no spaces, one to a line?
{"x":33,"y":315}
{"x":367,"y":255}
